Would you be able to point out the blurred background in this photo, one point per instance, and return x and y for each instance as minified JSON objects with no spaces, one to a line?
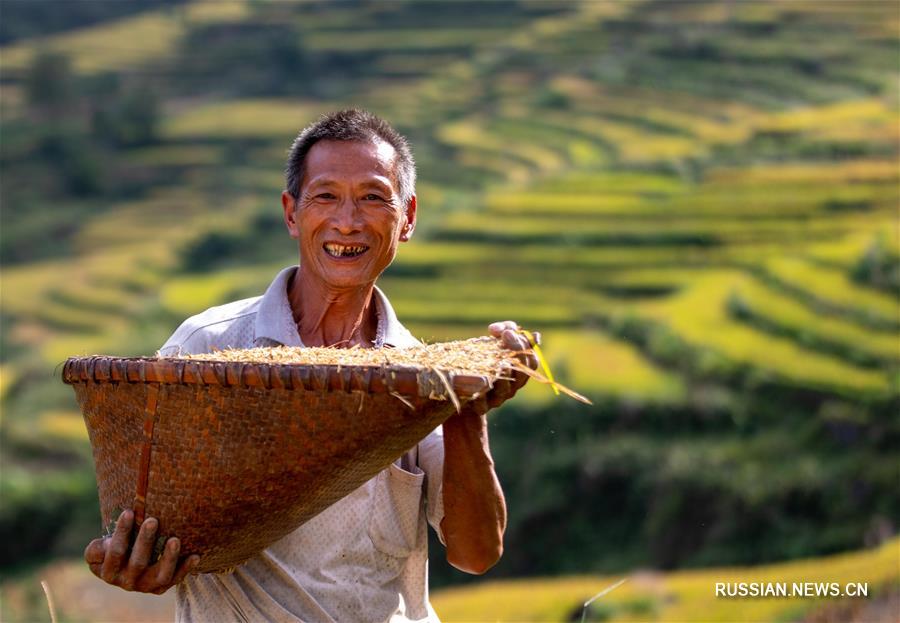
{"x":696,"y":202}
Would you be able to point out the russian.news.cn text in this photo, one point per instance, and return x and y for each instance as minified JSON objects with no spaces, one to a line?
{"x":807,"y":590}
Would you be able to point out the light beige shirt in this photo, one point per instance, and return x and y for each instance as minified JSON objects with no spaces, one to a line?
{"x":365,"y":558}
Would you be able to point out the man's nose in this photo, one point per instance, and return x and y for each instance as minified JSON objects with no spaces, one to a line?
{"x":346,"y":216}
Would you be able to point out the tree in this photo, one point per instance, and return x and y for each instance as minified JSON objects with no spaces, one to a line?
{"x":49,"y":84}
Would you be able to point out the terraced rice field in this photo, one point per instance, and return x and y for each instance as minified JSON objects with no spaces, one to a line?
{"x":610,"y":179}
{"x":125,"y":43}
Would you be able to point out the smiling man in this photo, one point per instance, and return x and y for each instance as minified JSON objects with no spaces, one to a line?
{"x":349,"y":202}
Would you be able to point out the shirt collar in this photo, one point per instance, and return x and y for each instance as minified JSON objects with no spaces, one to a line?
{"x":390,"y":332}
{"x":275,"y":320}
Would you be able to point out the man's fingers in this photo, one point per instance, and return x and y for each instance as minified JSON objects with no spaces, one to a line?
{"x":515,"y":341}
{"x":143,"y":545}
{"x":497,"y":328}
{"x":94,"y":552}
{"x":168,"y":562}
{"x":512,"y":339}
{"x":117,"y":547}
{"x":519,"y":343}
{"x":140,"y":554}
{"x":186,"y":567}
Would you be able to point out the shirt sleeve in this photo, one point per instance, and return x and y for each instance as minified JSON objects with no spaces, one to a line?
{"x":431,"y":461}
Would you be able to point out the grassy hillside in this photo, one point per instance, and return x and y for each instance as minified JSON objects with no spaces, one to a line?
{"x":694,"y":201}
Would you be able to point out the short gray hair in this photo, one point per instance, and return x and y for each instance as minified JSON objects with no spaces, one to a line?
{"x":351,"y":125}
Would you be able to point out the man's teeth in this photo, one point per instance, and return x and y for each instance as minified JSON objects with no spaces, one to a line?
{"x":340,"y":250}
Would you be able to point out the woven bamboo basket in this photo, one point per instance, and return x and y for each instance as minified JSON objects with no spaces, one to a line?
{"x":230,"y":456}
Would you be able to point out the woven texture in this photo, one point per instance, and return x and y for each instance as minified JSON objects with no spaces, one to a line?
{"x":230,"y":457}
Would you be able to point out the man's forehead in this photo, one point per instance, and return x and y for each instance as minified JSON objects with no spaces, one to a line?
{"x":348,"y":157}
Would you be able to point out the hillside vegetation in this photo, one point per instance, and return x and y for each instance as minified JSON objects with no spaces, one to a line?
{"x":695,"y":202}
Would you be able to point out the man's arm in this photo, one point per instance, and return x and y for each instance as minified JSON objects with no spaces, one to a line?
{"x":474,"y":508}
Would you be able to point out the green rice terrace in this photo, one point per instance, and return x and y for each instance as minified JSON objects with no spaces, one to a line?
{"x":696,"y":203}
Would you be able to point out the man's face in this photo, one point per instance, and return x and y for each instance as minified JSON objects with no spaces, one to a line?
{"x":349,"y":218}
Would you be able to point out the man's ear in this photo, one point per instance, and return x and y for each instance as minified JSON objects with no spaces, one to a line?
{"x":289,"y":205}
{"x":406,"y":231}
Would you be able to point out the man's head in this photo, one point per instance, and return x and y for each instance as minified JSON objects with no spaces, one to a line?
{"x":349,"y":199}
{"x":351,"y":125}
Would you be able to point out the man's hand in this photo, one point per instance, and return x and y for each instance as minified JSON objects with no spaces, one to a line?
{"x":503,"y":390}
{"x":112,"y":559}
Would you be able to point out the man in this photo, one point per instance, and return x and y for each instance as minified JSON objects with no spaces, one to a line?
{"x":349,"y":202}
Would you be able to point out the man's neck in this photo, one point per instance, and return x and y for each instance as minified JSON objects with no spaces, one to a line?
{"x":328,"y":316}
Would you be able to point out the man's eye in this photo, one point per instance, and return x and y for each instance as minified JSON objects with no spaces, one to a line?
{"x":326,"y":196}
{"x":373,"y":197}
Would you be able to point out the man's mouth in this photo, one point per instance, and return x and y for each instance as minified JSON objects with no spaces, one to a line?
{"x":344,"y":250}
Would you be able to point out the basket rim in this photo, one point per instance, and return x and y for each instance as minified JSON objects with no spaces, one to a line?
{"x":375,"y":379}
